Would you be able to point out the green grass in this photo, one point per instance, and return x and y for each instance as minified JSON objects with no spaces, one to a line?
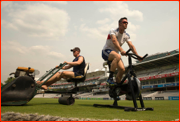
{"x":164,"y":110}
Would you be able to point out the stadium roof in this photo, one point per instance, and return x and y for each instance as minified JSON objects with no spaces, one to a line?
{"x":159,"y":55}
{"x":158,"y":62}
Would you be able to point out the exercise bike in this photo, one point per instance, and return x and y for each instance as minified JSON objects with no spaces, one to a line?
{"x":132,"y":89}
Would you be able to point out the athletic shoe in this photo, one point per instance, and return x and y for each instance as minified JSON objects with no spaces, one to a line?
{"x":110,"y":82}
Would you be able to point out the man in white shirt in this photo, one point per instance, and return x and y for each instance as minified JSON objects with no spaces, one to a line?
{"x":112,"y":48}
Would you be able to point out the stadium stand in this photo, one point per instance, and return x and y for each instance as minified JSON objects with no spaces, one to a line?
{"x":166,"y":94}
{"x":46,"y":95}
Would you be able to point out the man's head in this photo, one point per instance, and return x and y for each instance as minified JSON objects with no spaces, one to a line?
{"x":75,"y":51}
{"x":123,"y":22}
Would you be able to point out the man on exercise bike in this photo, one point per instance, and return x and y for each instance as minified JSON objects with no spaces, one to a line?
{"x":113,"y":46}
{"x":78,"y":65}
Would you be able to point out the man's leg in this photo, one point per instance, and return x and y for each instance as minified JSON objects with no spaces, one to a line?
{"x":68,"y":74}
{"x":56,"y":77}
{"x":115,"y":58}
{"x":121,"y":71}
{"x":52,"y":80}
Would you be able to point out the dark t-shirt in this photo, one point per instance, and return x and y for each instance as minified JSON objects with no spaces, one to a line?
{"x":79,"y":68}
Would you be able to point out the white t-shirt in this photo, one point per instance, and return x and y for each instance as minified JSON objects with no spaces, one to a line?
{"x":121,"y":38}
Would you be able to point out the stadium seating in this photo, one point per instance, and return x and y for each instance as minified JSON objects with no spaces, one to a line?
{"x":46,"y":95}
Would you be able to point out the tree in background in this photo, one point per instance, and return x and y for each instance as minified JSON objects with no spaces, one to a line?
{"x":10,"y":79}
{"x":2,"y":84}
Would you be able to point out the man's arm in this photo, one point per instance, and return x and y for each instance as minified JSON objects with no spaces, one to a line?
{"x":80,"y":60}
{"x":71,"y":64}
{"x":132,"y":47}
{"x":65,"y":67}
{"x":116,"y":43}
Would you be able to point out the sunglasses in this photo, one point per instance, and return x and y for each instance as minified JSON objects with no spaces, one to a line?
{"x":125,"y":22}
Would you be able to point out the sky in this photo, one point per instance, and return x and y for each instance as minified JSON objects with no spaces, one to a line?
{"x":40,"y":34}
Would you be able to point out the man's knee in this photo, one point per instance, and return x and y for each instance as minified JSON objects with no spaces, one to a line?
{"x":117,"y":57}
{"x":114,"y":56}
{"x":63,"y":74}
{"x":58,"y":75}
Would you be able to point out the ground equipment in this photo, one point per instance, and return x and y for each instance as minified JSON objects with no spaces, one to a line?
{"x":24,"y":87}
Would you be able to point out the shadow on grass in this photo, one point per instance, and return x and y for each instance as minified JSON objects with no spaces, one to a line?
{"x":32,"y":104}
{"x":85,"y":105}
{"x":39,"y":104}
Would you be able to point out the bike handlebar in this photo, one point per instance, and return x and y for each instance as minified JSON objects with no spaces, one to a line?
{"x":135,"y":56}
{"x":128,"y":51}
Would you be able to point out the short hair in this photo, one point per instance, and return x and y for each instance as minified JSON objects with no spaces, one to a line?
{"x":120,"y":20}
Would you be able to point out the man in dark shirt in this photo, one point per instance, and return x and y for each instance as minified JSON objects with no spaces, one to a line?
{"x":78,"y":65}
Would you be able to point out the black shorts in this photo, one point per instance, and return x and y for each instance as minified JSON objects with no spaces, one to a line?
{"x":77,"y":74}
